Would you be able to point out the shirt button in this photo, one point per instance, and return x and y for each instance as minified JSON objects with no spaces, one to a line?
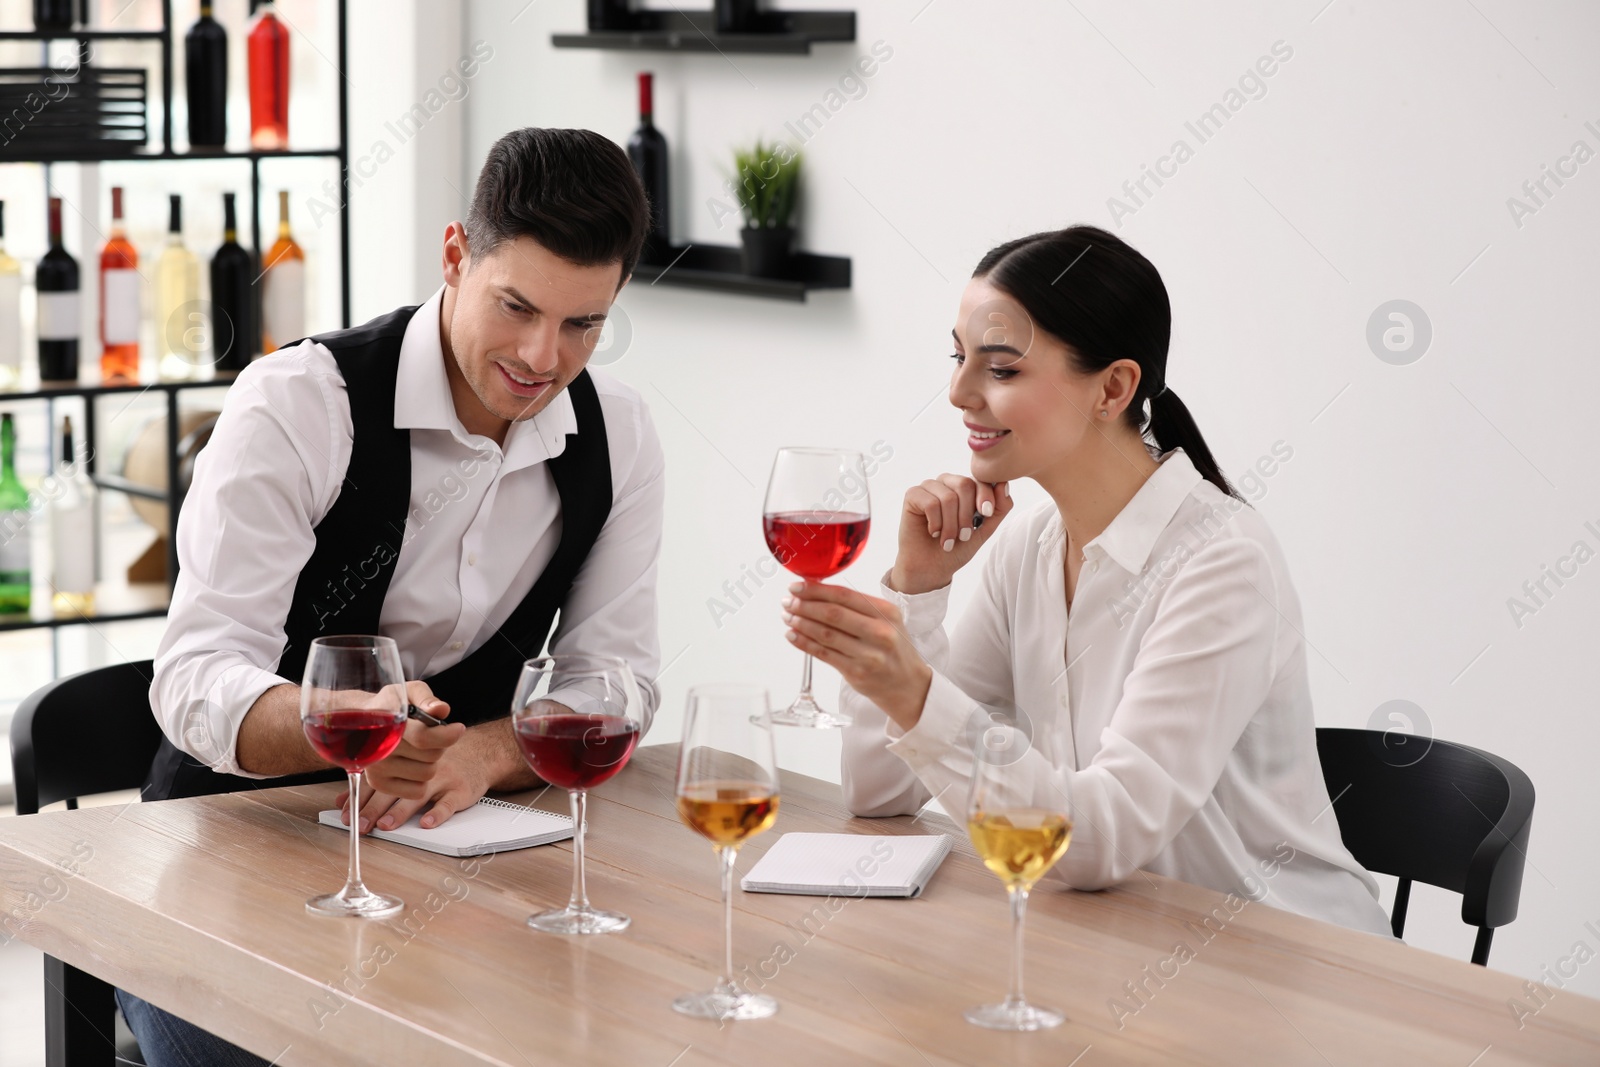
{"x":455,"y":646}
{"x":1065,"y":703}
{"x":472,"y":559}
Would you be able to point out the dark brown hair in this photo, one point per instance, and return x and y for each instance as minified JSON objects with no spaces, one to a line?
{"x":573,"y":191}
{"x":1112,"y":305}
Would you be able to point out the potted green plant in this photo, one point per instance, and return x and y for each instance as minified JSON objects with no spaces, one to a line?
{"x":767,"y":183}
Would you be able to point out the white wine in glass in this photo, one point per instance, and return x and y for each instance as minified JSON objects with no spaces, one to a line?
{"x":1019,"y":841}
{"x":727,"y":793}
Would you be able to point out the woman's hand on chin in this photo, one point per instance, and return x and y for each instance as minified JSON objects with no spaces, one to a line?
{"x":864,"y":639}
{"x":937,"y":532}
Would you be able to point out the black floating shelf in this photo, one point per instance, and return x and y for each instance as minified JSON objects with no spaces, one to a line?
{"x":777,"y":33}
{"x":26,"y":156}
{"x":719,"y":268}
{"x":81,"y":35}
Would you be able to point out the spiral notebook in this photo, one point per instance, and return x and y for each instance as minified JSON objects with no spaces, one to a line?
{"x":490,"y":825}
{"x":848,"y":865}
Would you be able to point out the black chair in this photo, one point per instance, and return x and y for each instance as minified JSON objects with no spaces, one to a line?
{"x":85,"y":734}
{"x":1433,"y":811}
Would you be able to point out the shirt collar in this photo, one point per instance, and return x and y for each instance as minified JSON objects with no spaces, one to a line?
{"x":1132,"y":535}
{"x":423,"y":401}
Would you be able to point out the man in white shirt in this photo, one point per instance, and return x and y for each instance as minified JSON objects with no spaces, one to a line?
{"x":450,"y":476}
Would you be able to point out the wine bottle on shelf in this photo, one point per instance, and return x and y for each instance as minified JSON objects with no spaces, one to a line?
{"x":72,"y":555}
{"x":233,"y":338}
{"x":734,"y":16}
{"x":56,"y":281}
{"x":10,"y":314}
{"x":269,"y":80}
{"x":52,"y":16}
{"x":205,"y":56}
{"x":283,"y":287}
{"x":647,"y":149}
{"x":610,"y":15}
{"x":179,"y":317}
{"x":16,"y":552}
{"x":119,"y":301}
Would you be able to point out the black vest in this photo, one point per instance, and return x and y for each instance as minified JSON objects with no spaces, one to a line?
{"x":342,"y":586}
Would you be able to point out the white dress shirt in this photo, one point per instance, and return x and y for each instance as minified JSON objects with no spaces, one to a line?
{"x":1170,"y":702}
{"x":483,"y":522}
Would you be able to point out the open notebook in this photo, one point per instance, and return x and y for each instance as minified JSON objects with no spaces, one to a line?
{"x":848,"y":865}
{"x":490,"y":825}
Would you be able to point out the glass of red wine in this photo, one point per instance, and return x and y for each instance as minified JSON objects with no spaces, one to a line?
{"x":577,"y":719}
{"x":353,"y":710}
{"x":816,"y":518}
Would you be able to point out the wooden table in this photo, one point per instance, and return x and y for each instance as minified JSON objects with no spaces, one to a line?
{"x":197,"y":906}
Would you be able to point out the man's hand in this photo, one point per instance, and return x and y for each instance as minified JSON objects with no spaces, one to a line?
{"x":458,"y":775}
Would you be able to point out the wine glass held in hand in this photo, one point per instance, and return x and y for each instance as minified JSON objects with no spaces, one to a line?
{"x":727,"y":792}
{"x":577,"y":719}
{"x":816,"y":519}
{"x":353,"y":710}
{"x":1018,"y":840}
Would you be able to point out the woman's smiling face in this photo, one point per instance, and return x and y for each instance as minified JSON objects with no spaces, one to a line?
{"x":1026,"y":406}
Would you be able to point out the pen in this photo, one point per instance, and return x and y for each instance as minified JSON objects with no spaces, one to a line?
{"x":414,"y":712}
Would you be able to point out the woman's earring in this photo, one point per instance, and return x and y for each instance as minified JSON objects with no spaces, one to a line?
{"x":1103,"y":414}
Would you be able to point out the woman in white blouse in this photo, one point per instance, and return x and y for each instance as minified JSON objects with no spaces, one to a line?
{"x":1141,"y":626}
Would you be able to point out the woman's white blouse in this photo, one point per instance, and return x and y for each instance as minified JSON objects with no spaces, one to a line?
{"x":1171,"y":702}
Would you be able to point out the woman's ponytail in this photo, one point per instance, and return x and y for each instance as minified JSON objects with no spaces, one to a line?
{"x":1171,"y":426}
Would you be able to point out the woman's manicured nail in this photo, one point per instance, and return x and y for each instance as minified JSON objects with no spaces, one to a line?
{"x":790,"y":602}
{"x":788,"y":620}
{"x":987,"y":507}
{"x":966,"y":533}
{"x":949,"y":545}
{"x":792,"y":636}
{"x":796,"y":587}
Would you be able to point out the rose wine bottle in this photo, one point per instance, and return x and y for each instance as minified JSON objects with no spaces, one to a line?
{"x":56,"y":281}
{"x":648,"y":151}
{"x":283,"y":287}
{"x":205,"y":55}
{"x":16,"y":553}
{"x":233,"y":338}
{"x":72,"y":557}
{"x":179,"y":315}
{"x":269,"y":80}
{"x":10,"y":314}
{"x":119,"y":302}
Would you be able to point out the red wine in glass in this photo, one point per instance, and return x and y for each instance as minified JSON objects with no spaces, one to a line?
{"x":816,"y":519}
{"x":577,"y":751}
{"x":816,"y":544}
{"x":353,"y":738}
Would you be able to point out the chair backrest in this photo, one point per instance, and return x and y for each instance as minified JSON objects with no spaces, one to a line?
{"x":1432,"y":811}
{"x":88,"y":733}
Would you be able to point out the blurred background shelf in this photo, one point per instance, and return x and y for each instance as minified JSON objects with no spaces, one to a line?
{"x":779,"y":33}
{"x":721,"y":269}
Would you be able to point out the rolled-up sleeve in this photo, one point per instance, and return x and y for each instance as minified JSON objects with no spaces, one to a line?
{"x":269,"y":473}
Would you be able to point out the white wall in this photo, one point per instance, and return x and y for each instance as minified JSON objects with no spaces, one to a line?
{"x":1376,"y":167}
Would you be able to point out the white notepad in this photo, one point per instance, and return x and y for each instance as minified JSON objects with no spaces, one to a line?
{"x":490,"y":825}
{"x":848,"y":865}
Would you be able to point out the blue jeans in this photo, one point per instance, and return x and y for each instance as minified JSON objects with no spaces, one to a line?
{"x":168,"y":1041}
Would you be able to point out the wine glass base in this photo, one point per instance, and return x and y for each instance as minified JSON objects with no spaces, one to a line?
{"x":578,"y":921}
{"x":1014,"y":1017}
{"x":724,"y":1006}
{"x":805,"y":712}
{"x":365,"y":905}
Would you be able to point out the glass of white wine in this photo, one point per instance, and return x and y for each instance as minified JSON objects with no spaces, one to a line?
{"x":1019,"y":841}
{"x":727,"y":792}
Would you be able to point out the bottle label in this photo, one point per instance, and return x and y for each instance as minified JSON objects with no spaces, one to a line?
{"x":72,"y":549}
{"x":11,"y":321}
{"x":283,"y":304}
{"x":58,"y":316}
{"x":122,"y":307}
{"x":16,"y":555}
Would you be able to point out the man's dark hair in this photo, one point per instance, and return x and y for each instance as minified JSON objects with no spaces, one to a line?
{"x":573,"y":191}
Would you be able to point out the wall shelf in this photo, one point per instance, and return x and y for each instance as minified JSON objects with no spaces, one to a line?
{"x":780,"y":33}
{"x":719,"y":268}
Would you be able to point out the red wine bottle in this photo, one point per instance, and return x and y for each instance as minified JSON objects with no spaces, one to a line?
{"x":52,"y":16}
{"x":648,"y":151}
{"x":233,"y":335}
{"x":205,"y":55}
{"x":56,"y":280}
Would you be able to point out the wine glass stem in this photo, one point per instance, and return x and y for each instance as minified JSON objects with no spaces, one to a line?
{"x":580,"y":823}
{"x":352,"y":885}
{"x":727,"y":855}
{"x":805,"y":682}
{"x":1019,"y":908}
